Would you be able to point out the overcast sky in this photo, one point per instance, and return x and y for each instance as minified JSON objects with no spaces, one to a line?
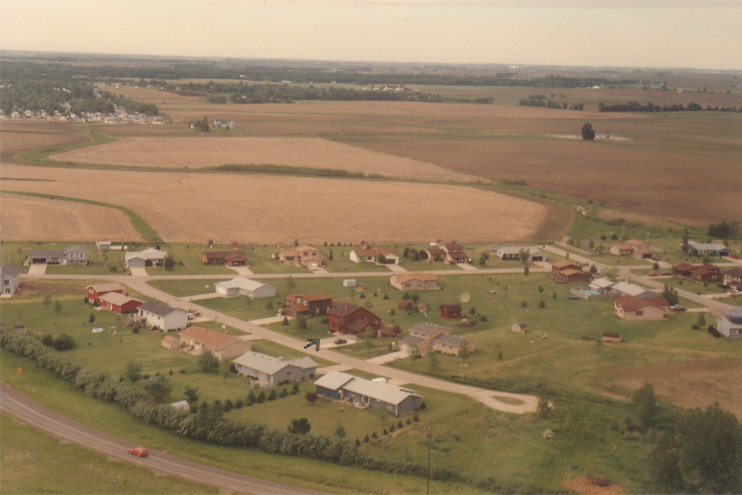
{"x":628,"y":33}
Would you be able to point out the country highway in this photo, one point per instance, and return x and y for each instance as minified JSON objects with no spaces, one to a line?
{"x":27,"y":411}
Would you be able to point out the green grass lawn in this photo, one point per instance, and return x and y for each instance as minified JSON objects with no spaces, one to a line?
{"x":183,"y":288}
{"x":101,"y":262}
{"x":276,"y":350}
{"x":341,"y":262}
{"x":33,"y":462}
{"x":691,"y":286}
{"x":243,"y":307}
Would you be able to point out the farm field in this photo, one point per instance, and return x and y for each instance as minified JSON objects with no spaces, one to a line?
{"x":38,"y":219}
{"x":200,"y":152}
{"x":22,"y":136}
{"x":33,"y":462}
{"x":194,"y":210}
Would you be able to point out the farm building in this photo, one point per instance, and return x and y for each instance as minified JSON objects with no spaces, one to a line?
{"x":93,"y":292}
{"x":161,"y":316}
{"x":196,"y":340}
{"x":241,"y":286}
{"x":303,"y":255}
{"x":348,"y":318}
{"x":363,"y":393}
{"x":711,"y":248}
{"x":11,"y":279}
{"x":272,"y":371}
{"x":307,"y":304}
{"x":730,"y":325}
{"x":621,"y":250}
{"x":374,"y":255}
{"x":148,"y":257}
{"x":229,"y":258}
{"x":414,"y":281}
{"x":451,"y":311}
{"x":118,"y":303}
{"x":611,"y":337}
{"x":518,"y":328}
{"x":635,"y":308}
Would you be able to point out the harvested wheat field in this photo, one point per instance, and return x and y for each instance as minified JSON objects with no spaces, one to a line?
{"x":191,"y":207}
{"x":36,"y":219}
{"x":24,"y":136}
{"x":199,"y":152}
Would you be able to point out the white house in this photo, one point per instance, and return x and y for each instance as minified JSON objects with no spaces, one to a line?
{"x":150,"y":256}
{"x":10,"y":278}
{"x":269,"y":370}
{"x":103,"y":245}
{"x":710,"y":248}
{"x":241,"y":286}
{"x":162,"y":316}
{"x":372,"y":255}
{"x":730,"y":325}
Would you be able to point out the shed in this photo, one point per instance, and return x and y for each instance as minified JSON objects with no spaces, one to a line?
{"x":518,"y":328}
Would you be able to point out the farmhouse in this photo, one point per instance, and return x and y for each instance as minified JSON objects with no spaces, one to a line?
{"x":348,"y":318}
{"x":118,"y":303}
{"x":635,"y":308}
{"x":11,"y":279}
{"x":303,"y":255}
{"x":374,"y":255}
{"x":148,"y":257}
{"x":427,"y":336}
{"x":621,"y":250}
{"x":229,"y":258}
{"x":241,"y":286}
{"x":414,"y":281}
{"x":272,"y":371}
{"x":451,"y":311}
{"x":307,"y":304}
{"x":161,"y":316}
{"x":730,"y":325}
{"x":197,"y":340}
{"x":363,"y":393}
{"x":93,"y":292}
{"x":711,"y":248}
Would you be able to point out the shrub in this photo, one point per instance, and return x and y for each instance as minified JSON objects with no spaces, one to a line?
{"x":423,"y":405}
{"x":272,"y":395}
{"x":374,"y":435}
{"x":260,"y":398}
{"x":295,"y":389}
{"x":399,"y":424}
{"x":385,"y":432}
{"x":524,"y":304}
{"x":365,"y":439}
{"x":415,"y":418}
{"x":227,"y":405}
{"x":358,"y":443}
{"x":283,"y":393}
{"x":542,"y":304}
{"x":239,"y":404}
{"x":391,"y":428}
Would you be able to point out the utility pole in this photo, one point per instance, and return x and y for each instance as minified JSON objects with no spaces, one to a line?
{"x":427,"y":490}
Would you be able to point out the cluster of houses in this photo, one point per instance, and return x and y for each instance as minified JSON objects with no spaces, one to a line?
{"x":451,"y":252}
{"x":631,"y":301}
{"x":426,"y":337}
{"x":119,"y":116}
{"x":698,"y":273}
{"x":73,"y":255}
{"x":636,"y":248}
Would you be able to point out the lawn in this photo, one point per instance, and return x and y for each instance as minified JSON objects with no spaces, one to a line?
{"x":243,"y":307}
{"x":101,"y":262}
{"x":34,"y":462}
{"x":184,"y":288}
{"x":341,"y":262}
{"x":277,"y":350}
{"x":694,"y":287}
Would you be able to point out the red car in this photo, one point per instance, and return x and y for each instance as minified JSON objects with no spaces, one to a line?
{"x":139,"y":451}
{"x":734,"y":256}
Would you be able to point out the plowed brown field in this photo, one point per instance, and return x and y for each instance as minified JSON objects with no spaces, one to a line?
{"x":24,"y":136}
{"x":199,"y":152}
{"x":37,"y":219}
{"x":190,"y":207}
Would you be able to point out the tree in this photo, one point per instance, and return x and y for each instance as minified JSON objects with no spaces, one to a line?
{"x":700,"y":321}
{"x":57,"y":306}
{"x":432,"y":360}
{"x":159,"y":389}
{"x":340,"y":430}
{"x":205,"y":124}
{"x":63,"y":343}
{"x":588,"y":134}
{"x":225,"y":368}
{"x":591,"y":244}
{"x":593,"y":269}
{"x":646,"y":405}
{"x":612,"y":274}
{"x":686,"y":237}
{"x":523,"y":255}
{"x":544,"y":407}
{"x":300,"y":426}
{"x":720,"y":230}
{"x":655,"y":266}
{"x":208,"y":362}
{"x":285,"y":321}
{"x":132,"y":370}
{"x":47,"y":300}
{"x":702,"y":454}
{"x":526,"y":271}
{"x":382,"y":413}
{"x":311,"y":397}
{"x":301,"y":323}
{"x":191,"y":394}
{"x":415,"y":297}
{"x":169,"y":263}
{"x":91,"y":318}
{"x":706,"y":259}
{"x":413,"y":351}
{"x":381,"y":259}
{"x":671,"y":295}
{"x":464,"y":353}
{"x":330,"y":257}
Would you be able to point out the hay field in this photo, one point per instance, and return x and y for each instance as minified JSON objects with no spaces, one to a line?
{"x":188,"y":207}
{"x":208,"y":151}
{"x":25,"y":218}
{"x":17,"y":136}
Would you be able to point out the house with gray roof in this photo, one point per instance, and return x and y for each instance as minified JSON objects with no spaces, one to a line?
{"x":148,"y":257}
{"x":73,"y":255}
{"x":271,"y":371}
{"x":363,"y":393}
{"x":161,"y":316}
{"x":513,"y":253}
{"x":76,"y":255}
{"x":241,"y":286}
{"x":10,"y":278}
{"x":710,"y":248}
{"x":425,"y":337}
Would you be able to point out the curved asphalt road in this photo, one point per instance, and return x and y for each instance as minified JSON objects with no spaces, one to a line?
{"x":27,"y":411}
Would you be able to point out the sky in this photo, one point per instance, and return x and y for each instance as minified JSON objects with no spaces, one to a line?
{"x":704,"y":34}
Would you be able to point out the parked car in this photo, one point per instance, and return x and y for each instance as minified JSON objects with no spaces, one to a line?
{"x":734,"y":256}
{"x":340,"y":341}
{"x":654,"y":274}
{"x":139,"y":451}
{"x":678,"y":307}
{"x":666,"y":274}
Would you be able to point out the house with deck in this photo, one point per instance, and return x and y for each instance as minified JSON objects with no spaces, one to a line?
{"x":272,"y":371}
{"x":364,"y":393}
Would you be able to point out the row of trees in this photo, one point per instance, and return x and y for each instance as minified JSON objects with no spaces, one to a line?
{"x":545,"y":102}
{"x":634,"y":106}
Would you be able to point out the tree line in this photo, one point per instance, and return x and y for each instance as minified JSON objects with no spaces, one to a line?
{"x":634,"y":106}
{"x":546,"y":102}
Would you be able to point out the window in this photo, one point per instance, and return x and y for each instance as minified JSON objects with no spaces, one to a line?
{"x":640,"y":313}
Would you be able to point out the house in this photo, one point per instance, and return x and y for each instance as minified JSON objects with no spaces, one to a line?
{"x":683,"y":270}
{"x":197,"y":340}
{"x":637,"y":244}
{"x":427,"y":336}
{"x":303,"y":255}
{"x":506,"y":253}
{"x":629,"y":289}
{"x":711,"y":248}
{"x":93,"y":292}
{"x":601,"y":285}
{"x":348,"y":318}
{"x":635,"y":308}
{"x":161,"y":316}
{"x":621,"y":250}
{"x":564,"y":265}
{"x":307,"y":304}
{"x":118,"y":303}
{"x":730,"y":325}
{"x":364,"y":393}
{"x":644,"y":254}
{"x":349,"y":282}
{"x":229,"y":258}
{"x":76,"y":255}
{"x":451,"y":311}
{"x":171,"y":343}
{"x":103,"y":245}
{"x":49,"y":257}
{"x":434,"y":254}
{"x":272,"y":371}
{"x":611,"y":337}
{"x":454,"y":253}
{"x":570,"y":276}
{"x":10,"y":278}
{"x":518,"y":328}
{"x":241,"y":286}
{"x":373,"y":255}
{"x":733,"y":278}
{"x":706,"y":274}
{"x":414,"y":281}
{"x":148,"y":257}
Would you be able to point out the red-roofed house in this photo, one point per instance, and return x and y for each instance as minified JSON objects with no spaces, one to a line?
{"x":349,"y":318}
{"x":307,"y":304}
{"x":706,"y":274}
{"x":635,"y":308}
{"x":119,"y":303}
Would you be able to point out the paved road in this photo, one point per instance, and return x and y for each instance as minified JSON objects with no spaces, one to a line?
{"x":717,"y":308}
{"x":27,"y":411}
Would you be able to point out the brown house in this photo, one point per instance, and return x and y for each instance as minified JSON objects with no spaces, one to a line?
{"x":307,"y":304}
{"x":229,"y":258}
{"x":303,"y":255}
{"x":733,"y":278}
{"x":683,"y":270}
{"x":434,"y":254}
{"x":426,"y":337}
{"x":348,"y":318}
{"x":224,"y":346}
{"x":454,"y":253}
{"x":563,"y":265}
{"x":414,"y":281}
{"x":570,"y":276}
{"x":635,"y":308}
{"x":621,"y":250}
{"x":706,"y":274}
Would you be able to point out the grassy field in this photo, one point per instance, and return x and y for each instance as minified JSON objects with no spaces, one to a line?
{"x":694,"y":287}
{"x":101,"y":262}
{"x":33,"y":462}
{"x":183,"y":288}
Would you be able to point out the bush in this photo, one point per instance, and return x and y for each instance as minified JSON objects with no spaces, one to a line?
{"x":391,"y":428}
{"x":542,"y":304}
{"x":415,"y":418}
{"x":260,"y":398}
{"x":295,"y":389}
{"x":283,"y":393}
{"x":409,"y":421}
{"x":713,"y":331}
{"x":358,"y":443}
{"x":374,"y":435}
{"x":385,"y":432}
{"x":208,"y":362}
{"x":64,"y":343}
{"x":239,"y":404}
{"x":423,"y":405}
{"x":272,"y":395}
{"x":227,"y":405}
{"x":399,"y":424}
{"x":365,"y":439}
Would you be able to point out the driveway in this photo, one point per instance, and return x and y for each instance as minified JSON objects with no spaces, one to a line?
{"x":242,"y":270}
{"x":396,"y":268}
{"x":388,"y":358}
{"x":138,"y":271}
{"x":467,"y":267}
{"x":37,"y":269}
